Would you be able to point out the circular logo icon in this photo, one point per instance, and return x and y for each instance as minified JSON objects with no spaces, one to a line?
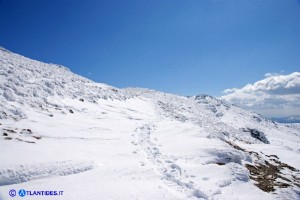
{"x":22,"y":193}
{"x":12,"y":193}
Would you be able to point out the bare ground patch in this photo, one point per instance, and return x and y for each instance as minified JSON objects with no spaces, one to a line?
{"x":268,"y":172}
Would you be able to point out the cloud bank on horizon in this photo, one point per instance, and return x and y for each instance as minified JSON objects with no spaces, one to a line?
{"x":274,"y":96}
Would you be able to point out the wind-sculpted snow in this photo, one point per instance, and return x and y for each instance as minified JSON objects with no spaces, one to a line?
{"x":146,"y":144}
{"x":32,"y":82}
{"x":23,"y":173}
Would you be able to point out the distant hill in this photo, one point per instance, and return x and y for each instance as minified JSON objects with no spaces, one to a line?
{"x":290,"y":119}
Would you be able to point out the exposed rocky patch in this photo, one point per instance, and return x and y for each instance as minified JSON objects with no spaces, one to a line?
{"x":257,"y":135}
{"x":268,"y":172}
{"x":23,"y":135}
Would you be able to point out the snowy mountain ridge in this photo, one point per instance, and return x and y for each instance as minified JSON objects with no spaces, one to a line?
{"x":31,"y":82}
{"x":290,"y":119}
{"x":134,"y":143}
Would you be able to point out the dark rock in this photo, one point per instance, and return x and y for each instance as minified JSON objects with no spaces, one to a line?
{"x":10,"y":131}
{"x":220,"y":163}
{"x":257,"y":135}
{"x":37,"y":137}
{"x":26,"y":131}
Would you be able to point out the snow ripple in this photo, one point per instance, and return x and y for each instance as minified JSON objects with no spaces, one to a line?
{"x":24,"y":173}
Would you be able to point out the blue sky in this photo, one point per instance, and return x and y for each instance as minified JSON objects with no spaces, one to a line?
{"x":182,"y":47}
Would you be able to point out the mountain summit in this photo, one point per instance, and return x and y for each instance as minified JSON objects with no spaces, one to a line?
{"x":61,"y":131}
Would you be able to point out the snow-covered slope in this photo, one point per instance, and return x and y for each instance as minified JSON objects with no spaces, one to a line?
{"x":60,"y":131}
{"x":34,"y":83}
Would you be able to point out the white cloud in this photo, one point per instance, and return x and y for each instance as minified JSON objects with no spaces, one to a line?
{"x":274,"y":74}
{"x":275,"y":96}
{"x":271,"y":74}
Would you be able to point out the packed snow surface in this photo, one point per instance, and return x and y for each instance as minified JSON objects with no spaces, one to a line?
{"x":60,"y":131}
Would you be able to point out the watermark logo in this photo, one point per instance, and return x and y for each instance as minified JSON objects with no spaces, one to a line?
{"x":12,"y":193}
{"x":22,"y":193}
